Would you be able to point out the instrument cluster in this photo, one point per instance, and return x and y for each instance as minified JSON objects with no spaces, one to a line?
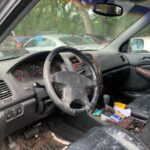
{"x":31,"y":71}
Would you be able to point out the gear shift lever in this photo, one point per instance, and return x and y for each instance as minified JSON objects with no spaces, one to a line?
{"x":106,"y":98}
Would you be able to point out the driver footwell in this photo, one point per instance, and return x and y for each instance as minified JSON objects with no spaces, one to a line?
{"x":50,"y":134}
{"x":43,"y":139}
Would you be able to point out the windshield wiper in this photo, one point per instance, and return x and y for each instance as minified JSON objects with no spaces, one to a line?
{"x":88,"y":50}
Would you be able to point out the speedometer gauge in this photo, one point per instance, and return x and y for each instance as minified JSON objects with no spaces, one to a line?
{"x":36,"y":70}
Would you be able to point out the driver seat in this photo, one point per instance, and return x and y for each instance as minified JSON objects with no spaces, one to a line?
{"x":108,"y":138}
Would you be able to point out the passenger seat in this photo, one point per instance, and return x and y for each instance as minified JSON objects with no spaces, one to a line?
{"x":140,"y":107}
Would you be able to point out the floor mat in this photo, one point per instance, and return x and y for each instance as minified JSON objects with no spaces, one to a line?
{"x":48,"y":145}
{"x":64,"y":131}
{"x":44,"y":141}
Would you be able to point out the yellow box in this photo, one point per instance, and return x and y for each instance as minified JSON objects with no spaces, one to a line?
{"x":120,"y":105}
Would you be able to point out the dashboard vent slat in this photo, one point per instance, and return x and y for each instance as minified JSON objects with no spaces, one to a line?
{"x":4,"y":90}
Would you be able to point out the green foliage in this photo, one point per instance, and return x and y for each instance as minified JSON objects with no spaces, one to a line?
{"x":50,"y":15}
{"x":144,"y":32}
{"x":63,"y":16}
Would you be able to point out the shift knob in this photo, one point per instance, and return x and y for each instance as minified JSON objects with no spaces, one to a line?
{"x":106,"y":98}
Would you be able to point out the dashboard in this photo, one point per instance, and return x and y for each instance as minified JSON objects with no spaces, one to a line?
{"x":22,"y":98}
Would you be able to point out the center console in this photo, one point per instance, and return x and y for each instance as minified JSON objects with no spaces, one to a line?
{"x":118,"y":116}
{"x":103,"y":115}
{"x":130,"y":123}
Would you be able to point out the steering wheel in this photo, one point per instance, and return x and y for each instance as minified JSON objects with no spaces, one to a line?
{"x":74,"y":84}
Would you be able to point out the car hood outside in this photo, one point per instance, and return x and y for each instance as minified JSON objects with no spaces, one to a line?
{"x":90,"y":46}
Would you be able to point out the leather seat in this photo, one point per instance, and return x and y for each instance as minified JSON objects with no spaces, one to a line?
{"x":145,"y":134}
{"x":108,"y":138}
{"x":140,"y":107}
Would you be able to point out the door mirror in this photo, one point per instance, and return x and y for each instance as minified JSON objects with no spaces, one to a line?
{"x":107,"y":9}
{"x":136,"y":45}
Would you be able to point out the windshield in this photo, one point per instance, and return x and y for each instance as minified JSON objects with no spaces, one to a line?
{"x":51,"y":24}
{"x":75,"y":40}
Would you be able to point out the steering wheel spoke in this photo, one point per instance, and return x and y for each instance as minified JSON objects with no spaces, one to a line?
{"x":67,"y":96}
{"x":91,"y":82}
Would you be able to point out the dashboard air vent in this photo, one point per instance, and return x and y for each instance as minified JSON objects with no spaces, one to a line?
{"x":74,"y":60}
{"x":4,"y":90}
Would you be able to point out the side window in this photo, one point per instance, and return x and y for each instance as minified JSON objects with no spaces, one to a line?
{"x":32,"y":43}
{"x":140,"y":42}
{"x":46,"y":42}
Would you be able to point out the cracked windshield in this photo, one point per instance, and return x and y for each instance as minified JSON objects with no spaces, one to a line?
{"x":54,"y":23}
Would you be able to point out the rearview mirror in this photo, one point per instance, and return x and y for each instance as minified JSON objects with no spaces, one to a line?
{"x":107,"y":9}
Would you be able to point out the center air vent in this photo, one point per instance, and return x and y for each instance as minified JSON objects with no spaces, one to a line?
{"x":4,"y":90}
{"x":74,"y":60}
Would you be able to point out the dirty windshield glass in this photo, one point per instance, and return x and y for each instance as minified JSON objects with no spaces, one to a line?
{"x":76,"y":40}
{"x":54,"y":23}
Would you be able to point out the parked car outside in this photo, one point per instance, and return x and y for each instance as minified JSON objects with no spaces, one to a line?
{"x":14,"y":41}
{"x":100,"y":39}
{"x":51,"y":41}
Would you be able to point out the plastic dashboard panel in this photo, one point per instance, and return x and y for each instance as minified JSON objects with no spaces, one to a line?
{"x":108,"y":62}
{"x":21,"y":92}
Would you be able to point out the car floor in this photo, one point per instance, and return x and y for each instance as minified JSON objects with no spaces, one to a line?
{"x":55,"y":132}
{"x":52,"y":134}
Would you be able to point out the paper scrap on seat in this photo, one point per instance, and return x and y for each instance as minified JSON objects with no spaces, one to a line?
{"x":125,"y":112}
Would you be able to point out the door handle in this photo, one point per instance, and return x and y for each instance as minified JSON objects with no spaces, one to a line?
{"x":143,"y":72}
